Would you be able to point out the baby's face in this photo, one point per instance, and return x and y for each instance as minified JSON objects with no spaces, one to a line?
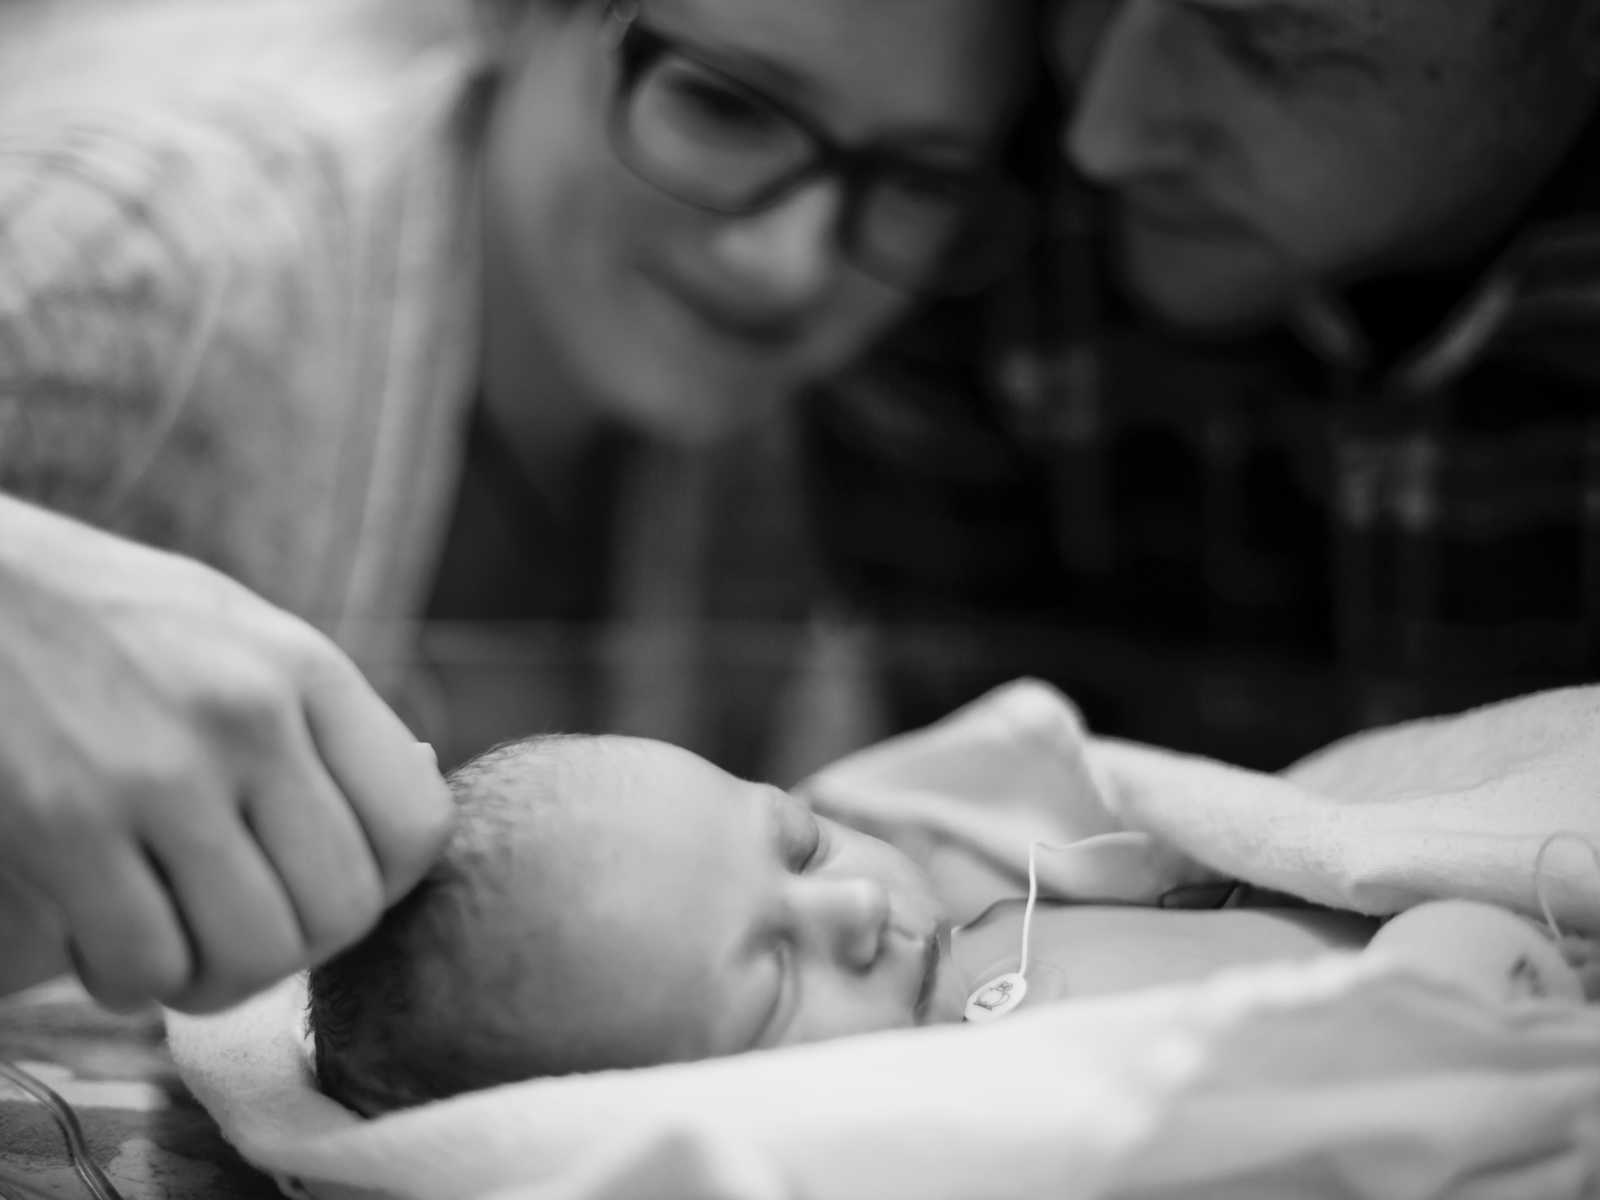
{"x":717,"y":916}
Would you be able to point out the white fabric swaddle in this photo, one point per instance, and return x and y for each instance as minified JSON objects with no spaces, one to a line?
{"x":1351,"y":1075}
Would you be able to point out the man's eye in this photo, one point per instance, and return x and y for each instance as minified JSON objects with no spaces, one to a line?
{"x":1262,"y":46}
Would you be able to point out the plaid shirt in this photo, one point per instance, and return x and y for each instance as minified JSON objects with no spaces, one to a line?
{"x":1244,"y":551}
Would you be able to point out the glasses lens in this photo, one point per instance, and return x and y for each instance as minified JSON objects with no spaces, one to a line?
{"x":709,"y":140}
{"x":699,"y":135}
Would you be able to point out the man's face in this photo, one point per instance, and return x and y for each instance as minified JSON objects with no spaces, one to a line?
{"x":684,"y":320}
{"x":1255,"y":148}
{"x":708,"y":916}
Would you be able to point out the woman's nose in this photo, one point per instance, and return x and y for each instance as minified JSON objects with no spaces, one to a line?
{"x":1131,"y":115}
{"x":844,"y":919}
{"x":784,"y":256}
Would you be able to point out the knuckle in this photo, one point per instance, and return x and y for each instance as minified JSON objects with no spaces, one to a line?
{"x":40,"y":804}
{"x":246,"y":704}
{"x":59,"y":816}
{"x":156,"y":770}
{"x":161,"y":789}
{"x":99,"y":787}
{"x":307,"y":654}
{"x":71,"y":821}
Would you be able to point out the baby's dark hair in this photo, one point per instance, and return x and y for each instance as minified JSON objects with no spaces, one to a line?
{"x":398,"y":1018}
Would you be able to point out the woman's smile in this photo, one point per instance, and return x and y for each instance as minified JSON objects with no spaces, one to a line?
{"x":727,"y":319}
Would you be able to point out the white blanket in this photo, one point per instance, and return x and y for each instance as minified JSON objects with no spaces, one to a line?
{"x":1353,"y":1075}
{"x":1455,"y":807}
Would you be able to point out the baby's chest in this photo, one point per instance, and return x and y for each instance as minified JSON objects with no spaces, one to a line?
{"x":1078,"y":951}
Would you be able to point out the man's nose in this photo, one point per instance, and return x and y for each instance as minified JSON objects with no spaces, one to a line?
{"x":1131,"y":109}
{"x":785,"y":256}
{"x":843,"y":919}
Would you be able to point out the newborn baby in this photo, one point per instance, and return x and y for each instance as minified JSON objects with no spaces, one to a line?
{"x":612,"y":902}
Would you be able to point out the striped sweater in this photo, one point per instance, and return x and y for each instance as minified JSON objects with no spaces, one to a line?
{"x":238,"y":286}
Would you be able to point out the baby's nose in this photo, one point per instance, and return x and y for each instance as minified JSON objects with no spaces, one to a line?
{"x":845,"y":919}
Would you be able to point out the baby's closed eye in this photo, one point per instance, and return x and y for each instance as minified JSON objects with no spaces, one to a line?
{"x":820,"y":844}
{"x":804,"y":840}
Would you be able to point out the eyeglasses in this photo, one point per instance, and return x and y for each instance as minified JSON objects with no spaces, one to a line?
{"x":714,"y":142}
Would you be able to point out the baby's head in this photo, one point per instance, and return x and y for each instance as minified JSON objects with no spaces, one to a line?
{"x":613,"y":902}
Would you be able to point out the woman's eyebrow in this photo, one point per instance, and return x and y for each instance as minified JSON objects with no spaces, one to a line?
{"x":755,"y":68}
{"x":798,"y":95}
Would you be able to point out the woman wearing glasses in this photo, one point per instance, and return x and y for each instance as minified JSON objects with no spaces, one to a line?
{"x":349,"y":299}
{"x":750,"y":188}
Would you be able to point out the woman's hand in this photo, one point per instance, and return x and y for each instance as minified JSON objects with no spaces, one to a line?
{"x":199,"y":793}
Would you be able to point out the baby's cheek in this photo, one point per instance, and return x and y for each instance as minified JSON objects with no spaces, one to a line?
{"x":916,"y":890}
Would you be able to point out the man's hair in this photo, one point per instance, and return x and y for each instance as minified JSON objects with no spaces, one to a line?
{"x":408,"y":1014}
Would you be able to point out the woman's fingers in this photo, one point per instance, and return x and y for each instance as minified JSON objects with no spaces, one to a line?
{"x":202,"y":788}
{"x":391,"y":784}
{"x":242,"y":928}
{"x":125,"y":937}
{"x":310,"y":837}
